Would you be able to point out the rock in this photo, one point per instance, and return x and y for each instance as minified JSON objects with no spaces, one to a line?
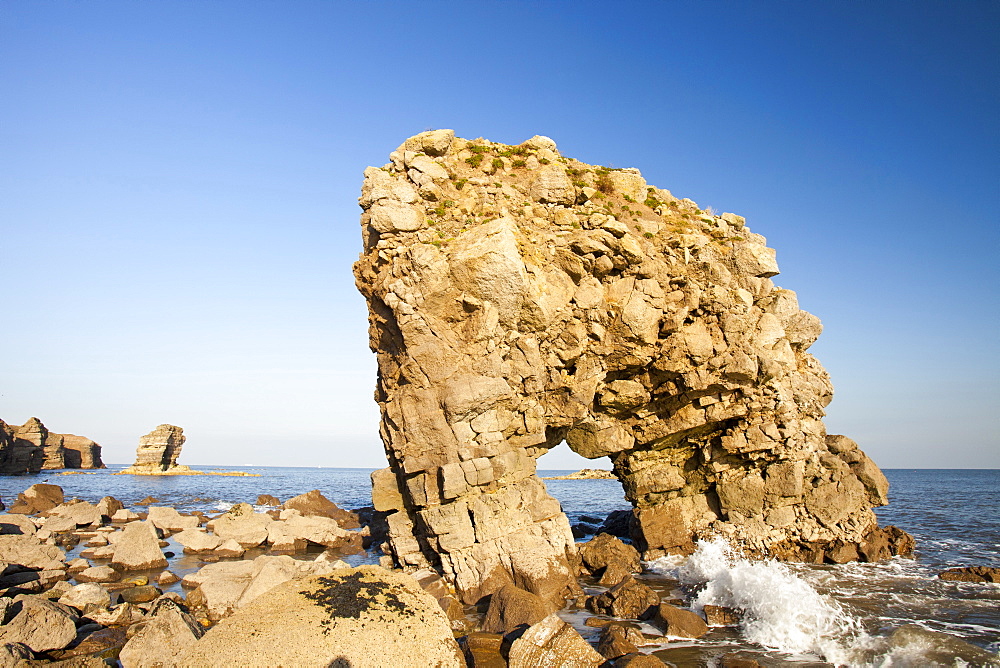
{"x":268,"y":500}
{"x":482,"y":650}
{"x":17,"y":455}
{"x":41,"y":625}
{"x":739,"y":660}
{"x":37,"y":498}
{"x":168,"y":519}
{"x":13,"y":652}
{"x":167,"y":633}
{"x":971,"y":574}
{"x":96,"y":645}
{"x":679,"y":622}
{"x":30,"y":553}
{"x":340,"y":618}
{"x":77,"y":565}
{"x":585,"y":474}
{"x":229,"y":549}
{"x":628,"y":599}
{"x":17,"y":524}
{"x":510,"y":607}
{"x":158,"y":451}
{"x":243,"y":525}
{"x":618,"y":640}
{"x":148,"y":500}
{"x":166,"y":578}
{"x":140,"y":594}
{"x":98,"y":574}
{"x":123,"y":614}
{"x":314,"y":503}
{"x":124,"y":515}
{"x":552,"y":642}
{"x":79,"y":513}
{"x":314,"y":529}
{"x":138,"y":548}
{"x":610,"y":559}
{"x":716,"y":615}
{"x":87,"y":594}
{"x":653,"y":335}
{"x":196,"y":540}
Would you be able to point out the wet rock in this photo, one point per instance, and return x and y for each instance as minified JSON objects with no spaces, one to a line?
{"x":148,"y":500}
{"x":168,"y":519}
{"x":971,"y":574}
{"x":552,"y":642}
{"x":37,"y":498}
{"x":166,"y":633}
{"x":610,"y":559}
{"x":716,"y":615}
{"x":138,"y":548}
{"x":628,"y":599}
{"x":88,"y":594}
{"x":40,"y":624}
{"x":340,"y":617}
{"x":679,"y":622}
{"x":738,"y":660}
{"x":242,"y":524}
{"x":618,"y":640}
{"x":268,"y":500}
{"x":482,"y":650}
{"x":141,"y":594}
{"x":314,"y":503}
{"x":941,"y":648}
{"x":511,"y":607}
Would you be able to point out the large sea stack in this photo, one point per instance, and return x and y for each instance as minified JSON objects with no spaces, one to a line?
{"x":519,"y":299}
{"x":158,"y":452}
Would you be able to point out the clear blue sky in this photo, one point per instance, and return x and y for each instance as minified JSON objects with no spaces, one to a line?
{"x":178,"y":185}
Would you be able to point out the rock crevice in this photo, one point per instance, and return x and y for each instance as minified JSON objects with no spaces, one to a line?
{"x":519,"y":299}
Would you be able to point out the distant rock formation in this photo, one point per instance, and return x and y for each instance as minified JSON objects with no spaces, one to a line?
{"x":158,"y":452}
{"x":519,"y":299}
{"x":585,"y":474}
{"x":17,"y":457}
{"x":38,"y":448}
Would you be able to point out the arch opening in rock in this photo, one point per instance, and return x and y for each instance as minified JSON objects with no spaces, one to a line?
{"x":518,"y":299}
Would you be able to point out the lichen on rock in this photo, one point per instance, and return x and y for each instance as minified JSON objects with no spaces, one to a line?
{"x":519,"y":299}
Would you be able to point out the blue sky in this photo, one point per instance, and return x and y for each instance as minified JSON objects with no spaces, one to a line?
{"x":178,"y":185}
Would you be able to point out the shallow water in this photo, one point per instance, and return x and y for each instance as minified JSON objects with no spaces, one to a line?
{"x":797,"y":612}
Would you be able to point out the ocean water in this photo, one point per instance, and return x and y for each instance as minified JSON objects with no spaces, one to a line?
{"x":792,"y":613}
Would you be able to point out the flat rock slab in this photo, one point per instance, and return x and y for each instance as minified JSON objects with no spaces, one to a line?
{"x":40,"y":624}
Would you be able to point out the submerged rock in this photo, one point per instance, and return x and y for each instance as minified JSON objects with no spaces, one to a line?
{"x":546,"y":301}
{"x":361,"y":617}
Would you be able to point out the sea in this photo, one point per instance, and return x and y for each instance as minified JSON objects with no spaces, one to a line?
{"x":896,"y":613}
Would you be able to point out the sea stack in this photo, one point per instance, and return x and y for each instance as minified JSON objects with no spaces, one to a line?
{"x":158,"y":452}
{"x":519,"y":299}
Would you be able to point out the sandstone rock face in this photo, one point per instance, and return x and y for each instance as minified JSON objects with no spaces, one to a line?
{"x":54,"y":451}
{"x":519,"y":299}
{"x":18,"y":456}
{"x":158,"y":450}
{"x":360,"y":617}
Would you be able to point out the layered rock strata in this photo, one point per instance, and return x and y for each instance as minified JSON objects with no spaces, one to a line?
{"x":36,"y":448}
{"x":519,"y":299}
{"x":158,"y":451}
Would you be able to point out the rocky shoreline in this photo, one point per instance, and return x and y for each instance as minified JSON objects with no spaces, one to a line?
{"x":585,"y":474}
{"x":112,"y":603}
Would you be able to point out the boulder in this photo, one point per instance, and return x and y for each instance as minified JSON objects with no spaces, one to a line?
{"x":242,"y":524}
{"x":30,"y":553}
{"x":40,"y":624}
{"x":196,"y":540}
{"x":618,"y":640}
{"x":98,"y":574}
{"x":141,"y":594}
{"x":165,"y":634}
{"x":268,"y":500}
{"x":354,"y":616}
{"x":716,"y":615}
{"x":229,"y":549}
{"x":610,"y":559}
{"x":17,"y":524}
{"x":627,"y":599}
{"x":37,"y":498}
{"x":12,"y":653}
{"x":511,"y":607}
{"x":552,"y":642}
{"x":316,"y":529}
{"x":80,"y":513}
{"x":639,"y":660}
{"x":123,"y":515}
{"x":87,"y":594}
{"x":138,"y":548}
{"x":314,"y":503}
{"x":482,"y":650}
{"x":168,"y":519}
{"x":679,"y":622}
